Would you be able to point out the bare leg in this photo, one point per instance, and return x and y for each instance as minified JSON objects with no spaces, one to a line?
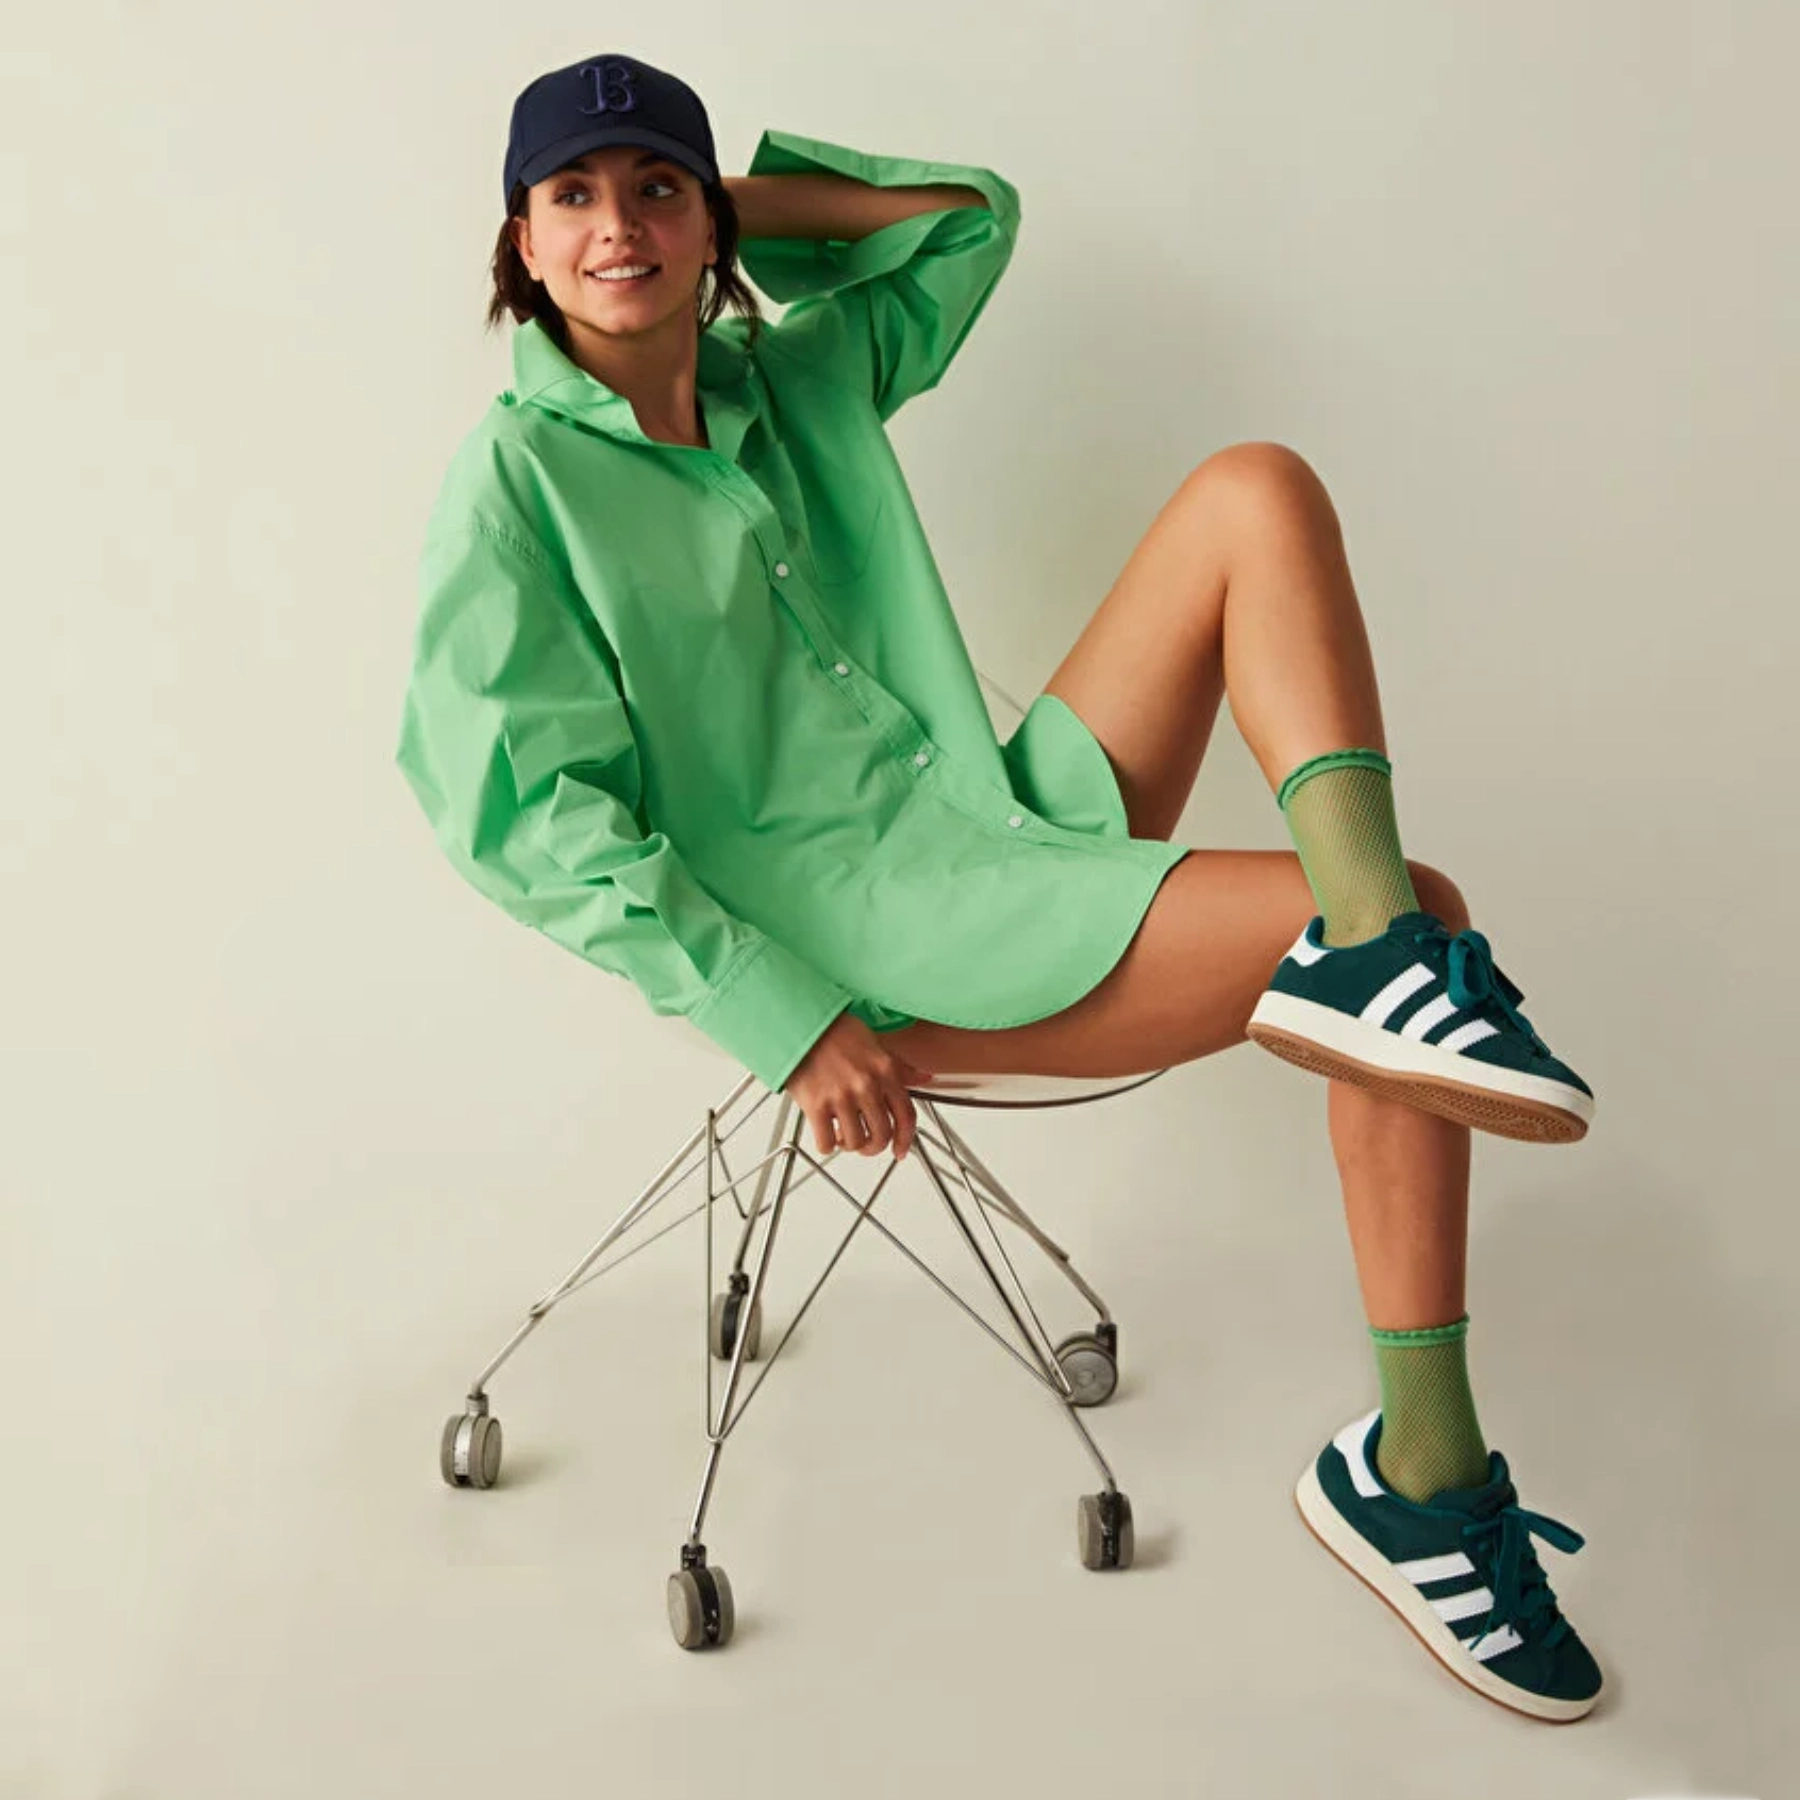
{"x":1241,"y":587}
{"x":1405,"y":1176}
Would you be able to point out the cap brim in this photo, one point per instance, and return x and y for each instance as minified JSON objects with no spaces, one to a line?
{"x":565,"y":150}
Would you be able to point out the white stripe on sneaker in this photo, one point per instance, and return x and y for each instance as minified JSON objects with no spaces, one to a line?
{"x":1349,"y":1442}
{"x":1465,"y":1035}
{"x":1396,"y":993}
{"x":1433,"y":1012}
{"x":1502,"y":1640}
{"x":1434,"y":1568}
{"x":1306,"y":953}
{"x":1460,"y":1606}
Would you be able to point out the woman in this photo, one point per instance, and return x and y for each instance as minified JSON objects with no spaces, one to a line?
{"x":689,"y":698}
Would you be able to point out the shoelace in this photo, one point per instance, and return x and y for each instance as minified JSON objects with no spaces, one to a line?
{"x":1522,"y":1593}
{"x":1475,"y":978}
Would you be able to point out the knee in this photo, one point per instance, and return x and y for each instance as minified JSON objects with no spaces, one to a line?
{"x":1439,"y":895}
{"x":1261,"y":471}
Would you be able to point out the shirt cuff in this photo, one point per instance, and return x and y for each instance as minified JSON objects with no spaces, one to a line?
{"x":770,"y":1010}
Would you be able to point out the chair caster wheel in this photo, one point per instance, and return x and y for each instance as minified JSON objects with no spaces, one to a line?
{"x":1091,"y":1367}
{"x":1103,"y":1523}
{"x":469,"y":1455}
{"x":722,"y":1326}
{"x":701,"y":1613}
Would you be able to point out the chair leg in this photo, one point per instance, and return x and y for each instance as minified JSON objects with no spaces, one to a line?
{"x":720,"y":1423}
{"x":1088,"y":1361}
{"x":730,"y":1314}
{"x":958,"y":1148}
{"x":469,"y":1451}
{"x":1037,"y":1342}
{"x":1104,"y":1526}
{"x":702,"y":1611}
{"x":716,"y":1423}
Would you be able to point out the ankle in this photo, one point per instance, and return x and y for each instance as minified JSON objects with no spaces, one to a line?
{"x":1430,"y":1436}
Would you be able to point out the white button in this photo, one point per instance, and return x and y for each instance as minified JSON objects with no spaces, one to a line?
{"x":842,"y":668}
{"x":781,"y":569}
{"x":1015,"y":821}
{"x":922,"y":758}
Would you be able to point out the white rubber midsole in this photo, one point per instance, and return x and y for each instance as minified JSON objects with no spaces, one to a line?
{"x":1349,"y":1546}
{"x":1383,"y":1049}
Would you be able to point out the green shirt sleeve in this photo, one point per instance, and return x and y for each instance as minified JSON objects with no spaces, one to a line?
{"x":516,"y":740}
{"x":888,"y":312}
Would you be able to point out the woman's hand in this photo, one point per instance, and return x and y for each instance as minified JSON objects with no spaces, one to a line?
{"x":853,"y":1090}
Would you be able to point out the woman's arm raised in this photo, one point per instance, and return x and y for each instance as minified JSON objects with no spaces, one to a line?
{"x":883,"y":262}
{"x":833,"y":206}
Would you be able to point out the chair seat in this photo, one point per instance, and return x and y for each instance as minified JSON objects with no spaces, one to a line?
{"x":1028,"y":1090}
{"x":988,"y":1090}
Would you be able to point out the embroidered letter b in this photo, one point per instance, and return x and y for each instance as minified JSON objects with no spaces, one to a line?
{"x":613,"y":91}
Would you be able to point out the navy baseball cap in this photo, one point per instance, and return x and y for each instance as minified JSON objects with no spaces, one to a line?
{"x":605,"y":100}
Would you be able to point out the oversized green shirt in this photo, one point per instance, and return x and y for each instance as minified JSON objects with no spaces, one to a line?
{"x":705,"y":716}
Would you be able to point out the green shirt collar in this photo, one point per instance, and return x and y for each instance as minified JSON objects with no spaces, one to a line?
{"x":544,"y":376}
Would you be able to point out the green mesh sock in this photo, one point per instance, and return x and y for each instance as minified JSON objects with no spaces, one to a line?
{"x":1340,"y":812}
{"x":1430,"y":1437}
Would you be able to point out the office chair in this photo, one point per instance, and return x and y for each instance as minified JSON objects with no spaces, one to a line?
{"x":1080,"y":1370}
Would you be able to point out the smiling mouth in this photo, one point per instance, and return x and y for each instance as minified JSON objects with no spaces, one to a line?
{"x":625,"y":281}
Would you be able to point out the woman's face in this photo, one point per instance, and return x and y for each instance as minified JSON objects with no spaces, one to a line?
{"x":621,"y":205}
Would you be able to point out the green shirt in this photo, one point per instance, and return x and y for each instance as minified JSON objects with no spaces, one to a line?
{"x":705,"y":716}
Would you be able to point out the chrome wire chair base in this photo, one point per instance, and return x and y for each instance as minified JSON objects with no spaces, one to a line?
{"x":1079,"y":1371}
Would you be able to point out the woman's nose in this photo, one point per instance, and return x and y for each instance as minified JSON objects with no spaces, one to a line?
{"x":616,"y":219}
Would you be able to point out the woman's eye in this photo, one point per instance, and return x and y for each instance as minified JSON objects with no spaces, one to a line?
{"x":581,"y":193}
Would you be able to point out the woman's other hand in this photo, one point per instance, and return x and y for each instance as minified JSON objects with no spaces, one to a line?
{"x":852,"y":1089}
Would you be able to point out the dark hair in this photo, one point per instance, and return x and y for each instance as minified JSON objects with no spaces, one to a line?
{"x":721,"y":285}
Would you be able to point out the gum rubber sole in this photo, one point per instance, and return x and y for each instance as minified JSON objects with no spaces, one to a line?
{"x":1328,"y":1042}
{"x":1529,"y":1121}
{"x":1367,"y":1563}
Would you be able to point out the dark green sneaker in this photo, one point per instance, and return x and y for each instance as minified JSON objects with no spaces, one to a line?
{"x":1423,"y":1017}
{"x":1460,"y":1570}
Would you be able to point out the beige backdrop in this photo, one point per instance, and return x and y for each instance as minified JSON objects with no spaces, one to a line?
{"x":297,"y":1125}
